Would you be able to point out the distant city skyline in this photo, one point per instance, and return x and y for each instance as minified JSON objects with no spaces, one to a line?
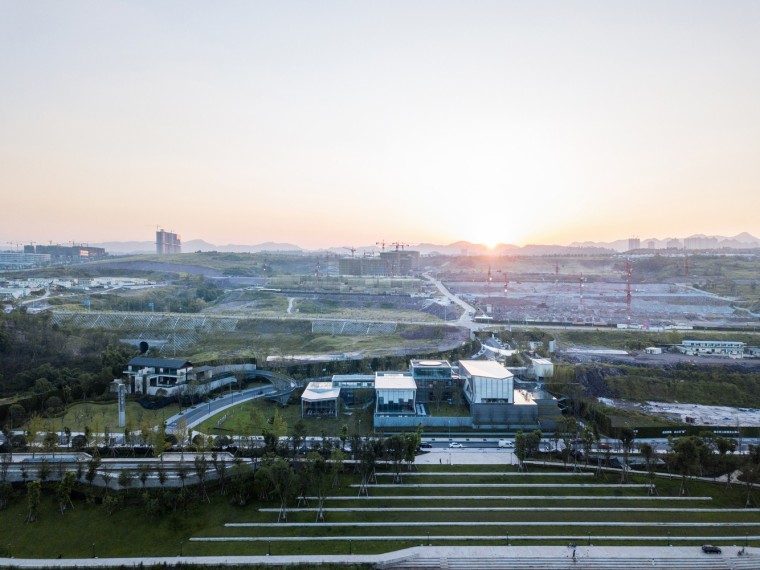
{"x":329,"y":123}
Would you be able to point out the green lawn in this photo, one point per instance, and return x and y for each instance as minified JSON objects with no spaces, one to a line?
{"x":239,"y":420}
{"x":87,"y":528}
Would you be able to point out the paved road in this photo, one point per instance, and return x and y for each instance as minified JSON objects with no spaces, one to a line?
{"x":200,"y":412}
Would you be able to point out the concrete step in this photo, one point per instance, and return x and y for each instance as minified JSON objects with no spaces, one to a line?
{"x":697,"y":563}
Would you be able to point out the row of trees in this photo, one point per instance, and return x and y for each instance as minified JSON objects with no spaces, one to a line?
{"x":272,"y":478}
{"x":706,"y":455}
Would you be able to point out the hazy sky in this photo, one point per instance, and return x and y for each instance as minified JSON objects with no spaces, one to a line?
{"x":345,"y":123}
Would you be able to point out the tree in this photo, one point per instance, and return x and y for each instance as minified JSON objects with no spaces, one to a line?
{"x":63,"y":491}
{"x":647,"y":452}
{"x":146,"y":429}
{"x":725,"y":445}
{"x":43,"y":470}
{"x":16,"y":415}
{"x":220,"y":466}
{"x":200,"y":463}
{"x":143,"y":472}
{"x":182,"y":473}
{"x":626,"y":437}
{"x":298,"y":436}
{"x":685,"y":456}
{"x":33,"y":427}
{"x":588,"y":443}
{"x":568,"y":427}
{"x":34,"y":491}
{"x":337,"y":459}
{"x":534,"y":441}
{"x":521,"y":450}
{"x":92,"y":470}
{"x":411,"y":445}
{"x":282,"y":481}
{"x":395,"y":449}
{"x":49,"y":441}
{"x":181,"y":432}
{"x":751,"y":471}
{"x":319,"y":475}
{"x":239,"y":484}
{"x":161,"y":474}
{"x":107,"y":477}
{"x":6,"y":492}
{"x":369,"y":452}
{"x":125,"y":479}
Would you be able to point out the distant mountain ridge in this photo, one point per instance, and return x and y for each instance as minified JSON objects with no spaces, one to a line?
{"x":743,"y":240}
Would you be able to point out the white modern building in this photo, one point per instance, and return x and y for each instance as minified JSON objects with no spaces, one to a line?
{"x":728,"y":348}
{"x":395,"y":393}
{"x":320,"y":399}
{"x":540,"y":368}
{"x":487,"y":382}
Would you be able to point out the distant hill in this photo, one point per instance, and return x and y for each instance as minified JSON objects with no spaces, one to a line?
{"x":200,"y":245}
{"x":148,"y":247}
{"x":743,"y":240}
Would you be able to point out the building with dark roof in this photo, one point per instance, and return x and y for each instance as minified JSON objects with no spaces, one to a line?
{"x":151,"y":375}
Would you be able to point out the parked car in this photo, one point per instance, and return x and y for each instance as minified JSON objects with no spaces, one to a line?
{"x":426,"y":446}
{"x":455,"y":444}
{"x":710,"y":549}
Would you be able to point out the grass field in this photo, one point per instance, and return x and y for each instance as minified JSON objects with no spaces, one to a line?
{"x":239,"y":420}
{"x":87,"y":530}
{"x":98,"y":416}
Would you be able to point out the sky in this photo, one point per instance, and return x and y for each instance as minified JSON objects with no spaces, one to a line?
{"x":324,"y":123}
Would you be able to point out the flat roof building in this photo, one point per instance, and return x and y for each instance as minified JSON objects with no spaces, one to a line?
{"x":434,"y":379}
{"x":395,"y":393}
{"x":729,"y":348}
{"x":320,"y":399}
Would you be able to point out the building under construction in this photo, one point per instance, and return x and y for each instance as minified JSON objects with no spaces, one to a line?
{"x":387,"y":263}
{"x":167,"y":242}
{"x":66,"y":253}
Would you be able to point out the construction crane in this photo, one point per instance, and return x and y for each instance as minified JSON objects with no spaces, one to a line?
{"x":381,"y":244}
{"x":399,"y":245}
{"x":351,"y":249}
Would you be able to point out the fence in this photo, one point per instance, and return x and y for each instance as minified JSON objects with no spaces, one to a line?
{"x":352,"y":328}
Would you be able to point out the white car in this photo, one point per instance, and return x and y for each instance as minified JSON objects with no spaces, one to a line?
{"x":455,"y":444}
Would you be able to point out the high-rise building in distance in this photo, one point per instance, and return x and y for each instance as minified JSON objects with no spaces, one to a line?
{"x":167,"y":242}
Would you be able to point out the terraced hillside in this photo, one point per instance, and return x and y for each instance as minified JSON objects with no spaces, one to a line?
{"x":450,"y":506}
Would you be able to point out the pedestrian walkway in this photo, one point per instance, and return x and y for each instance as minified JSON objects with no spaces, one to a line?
{"x":532,"y":509}
{"x":490,"y":474}
{"x":510,"y":498}
{"x":503,"y":485}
